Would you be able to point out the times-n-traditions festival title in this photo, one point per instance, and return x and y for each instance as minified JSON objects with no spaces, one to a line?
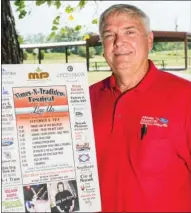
{"x":40,"y":91}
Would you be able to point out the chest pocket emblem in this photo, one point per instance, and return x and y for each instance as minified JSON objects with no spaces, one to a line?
{"x":154,"y":121}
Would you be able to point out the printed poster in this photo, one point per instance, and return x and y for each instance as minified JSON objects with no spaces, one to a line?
{"x":48,"y":148}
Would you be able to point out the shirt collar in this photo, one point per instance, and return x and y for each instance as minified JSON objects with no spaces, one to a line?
{"x":110,"y":83}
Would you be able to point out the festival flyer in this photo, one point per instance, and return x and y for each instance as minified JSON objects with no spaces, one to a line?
{"x":48,"y":148}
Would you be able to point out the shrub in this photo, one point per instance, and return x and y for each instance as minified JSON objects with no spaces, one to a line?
{"x":47,"y":50}
{"x":82,"y":52}
{"x":29,"y":50}
{"x":25,"y":55}
{"x":98,"y":50}
{"x":74,"y":50}
{"x":92,"y":52}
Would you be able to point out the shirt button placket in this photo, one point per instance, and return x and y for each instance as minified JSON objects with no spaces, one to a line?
{"x":118,"y":123}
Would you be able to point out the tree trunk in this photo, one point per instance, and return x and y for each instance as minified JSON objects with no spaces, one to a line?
{"x":11,"y":52}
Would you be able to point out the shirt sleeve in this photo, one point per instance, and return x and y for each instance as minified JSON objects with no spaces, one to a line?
{"x":188,"y":129}
{"x":70,"y":194}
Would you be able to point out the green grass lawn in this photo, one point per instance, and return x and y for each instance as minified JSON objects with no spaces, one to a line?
{"x":94,"y":77}
{"x":171,"y":58}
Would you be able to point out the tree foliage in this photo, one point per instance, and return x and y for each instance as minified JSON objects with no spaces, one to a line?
{"x":189,"y":45}
{"x":35,"y":38}
{"x":25,"y":55}
{"x":56,"y":26}
{"x":162,"y":46}
{"x":66,"y":34}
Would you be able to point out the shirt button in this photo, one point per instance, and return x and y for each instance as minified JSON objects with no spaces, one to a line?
{"x":119,"y":115}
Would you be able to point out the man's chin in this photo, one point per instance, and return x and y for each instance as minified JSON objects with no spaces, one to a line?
{"x":123,"y":66}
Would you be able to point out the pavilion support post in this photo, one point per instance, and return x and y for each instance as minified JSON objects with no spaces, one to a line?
{"x":23,"y":50}
{"x":186,"y":51}
{"x":39,"y":56}
{"x":66,"y":54}
{"x":87,"y":56}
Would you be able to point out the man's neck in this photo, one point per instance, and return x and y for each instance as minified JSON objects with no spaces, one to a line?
{"x":126,"y":82}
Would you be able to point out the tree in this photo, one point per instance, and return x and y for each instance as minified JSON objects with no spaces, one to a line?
{"x":189,"y":45}
{"x":11,"y":53}
{"x":36,"y":38}
{"x":66,"y":34}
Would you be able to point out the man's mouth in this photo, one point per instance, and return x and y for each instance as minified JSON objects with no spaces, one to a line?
{"x":123,"y":54}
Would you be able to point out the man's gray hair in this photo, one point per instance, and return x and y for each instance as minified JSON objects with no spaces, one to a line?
{"x":123,"y":8}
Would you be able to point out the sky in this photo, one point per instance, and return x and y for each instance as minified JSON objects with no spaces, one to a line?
{"x":163,"y":15}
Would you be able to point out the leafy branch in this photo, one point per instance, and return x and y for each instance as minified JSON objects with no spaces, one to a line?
{"x":69,"y":10}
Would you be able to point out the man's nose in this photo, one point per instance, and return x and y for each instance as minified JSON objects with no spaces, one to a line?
{"x":119,"y":39}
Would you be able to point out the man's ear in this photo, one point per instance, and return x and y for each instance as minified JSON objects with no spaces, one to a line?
{"x":150,"y":40}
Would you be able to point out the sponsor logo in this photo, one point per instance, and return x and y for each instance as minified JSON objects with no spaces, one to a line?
{"x":154,"y":121}
{"x":7,"y":128}
{"x":85,"y":167}
{"x":83,"y":147}
{"x":82,"y":187}
{"x":7,"y":117}
{"x":4,"y":91}
{"x":6,"y":105}
{"x":70,"y":76}
{"x":7,"y":82}
{"x":38,"y":74}
{"x":86,"y":177}
{"x":80,"y":125}
{"x":163,"y":120}
{"x":84,"y":158}
{"x":7,"y":73}
{"x":7,"y":155}
{"x":77,"y":100}
{"x":70,"y":68}
{"x":7,"y":142}
{"x":78,"y":114}
{"x":77,"y":89}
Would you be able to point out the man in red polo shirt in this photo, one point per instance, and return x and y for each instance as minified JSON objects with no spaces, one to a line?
{"x":142,"y":122}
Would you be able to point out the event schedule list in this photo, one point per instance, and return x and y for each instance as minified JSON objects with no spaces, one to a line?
{"x":45,"y":141}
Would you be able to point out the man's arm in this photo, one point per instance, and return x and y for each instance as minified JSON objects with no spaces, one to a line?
{"x":59,"y":209}
{"x":57,"y":204}
{"x":188,"y":129}
{"x":72,"y":206}
{"x":27,"y":207}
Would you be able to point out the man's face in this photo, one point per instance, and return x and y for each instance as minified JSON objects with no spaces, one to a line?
{"x":126,"y":42}
{"x":60,"y":188}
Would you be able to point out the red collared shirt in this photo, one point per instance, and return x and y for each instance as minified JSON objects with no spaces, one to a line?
{"x":152,"y":173}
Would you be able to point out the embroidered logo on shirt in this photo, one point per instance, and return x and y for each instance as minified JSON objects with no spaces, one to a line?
{"x":154,"y":121}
